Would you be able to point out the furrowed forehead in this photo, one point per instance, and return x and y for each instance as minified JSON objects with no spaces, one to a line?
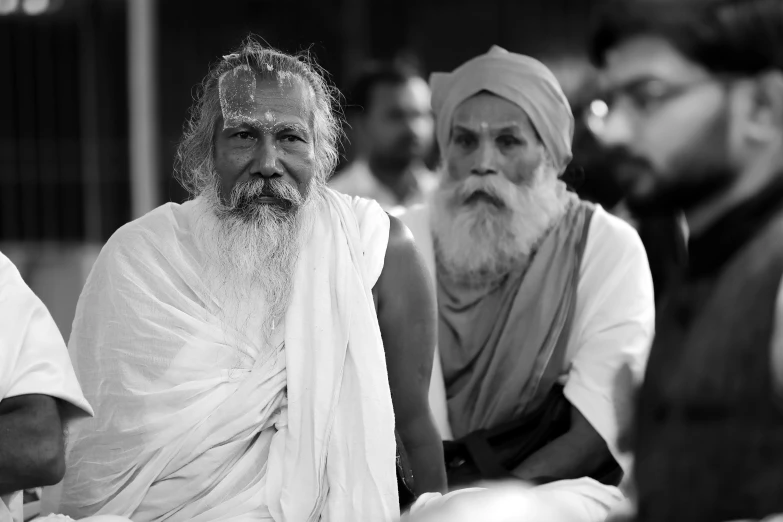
{"x":248,"y":96}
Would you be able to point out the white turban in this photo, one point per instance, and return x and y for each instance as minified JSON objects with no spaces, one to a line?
{"x":521,"y":80}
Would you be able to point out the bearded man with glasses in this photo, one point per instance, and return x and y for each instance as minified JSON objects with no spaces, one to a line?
{"x":693,"y":114}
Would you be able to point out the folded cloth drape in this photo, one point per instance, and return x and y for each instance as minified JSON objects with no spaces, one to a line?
{"x":197,"y":419}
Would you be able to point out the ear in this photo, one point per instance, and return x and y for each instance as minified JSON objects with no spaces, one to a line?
{"x":765,"y":118}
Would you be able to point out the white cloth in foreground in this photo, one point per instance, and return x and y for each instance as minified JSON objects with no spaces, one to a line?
{"x":199,"y":421}
{"x":33,"y":360}
{"x":613,"y":326}
{"x":562,"y":501}
{"x":65,"y":518}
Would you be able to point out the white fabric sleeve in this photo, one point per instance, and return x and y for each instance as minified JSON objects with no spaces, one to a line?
{"x":33,"y":356}
{"x":613,"y":325}
{"x":374,"y":227}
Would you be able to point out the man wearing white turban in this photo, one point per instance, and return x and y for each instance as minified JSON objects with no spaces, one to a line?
{"x":542,"y":297}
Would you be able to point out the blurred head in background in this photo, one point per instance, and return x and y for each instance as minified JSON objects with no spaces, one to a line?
{"x":392,"y":118}
{"x":691,"y":105}
{"x":592,"y":171}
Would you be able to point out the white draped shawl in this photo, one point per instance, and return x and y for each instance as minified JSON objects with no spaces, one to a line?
{"x":198,"y":421}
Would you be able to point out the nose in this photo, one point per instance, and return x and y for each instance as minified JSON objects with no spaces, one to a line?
{"x":266,"y":159}
{"x":485,"y":160}
{"x":614,"y":130}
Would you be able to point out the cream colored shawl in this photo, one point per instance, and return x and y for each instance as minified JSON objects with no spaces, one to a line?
{"x":198,"y":421}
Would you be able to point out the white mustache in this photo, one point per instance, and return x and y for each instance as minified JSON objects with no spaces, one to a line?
{"x":247,"y":191}
{"x":494,"y":186}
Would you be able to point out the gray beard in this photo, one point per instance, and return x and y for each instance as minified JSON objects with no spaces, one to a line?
{"x":251,"y":256}
{"x":479,"y":242}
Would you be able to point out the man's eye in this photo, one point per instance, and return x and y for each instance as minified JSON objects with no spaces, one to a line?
{"x":649,"y":96}
{"x":243,"y":135}
{"x":464,"y":140}
{"x":292,"y":138}
{"x":508,"y":141}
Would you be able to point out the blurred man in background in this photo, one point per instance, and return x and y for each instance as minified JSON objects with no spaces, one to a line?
{"x":694,"y":95}
{"x":393,"y":130}
{"x":595,"y":175}
{"x":542,"y":297}
{"x":250,"y":353}
{"x":39,"y":394}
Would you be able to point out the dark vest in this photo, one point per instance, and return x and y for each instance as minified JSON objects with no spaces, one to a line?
{"x":708,"y":434}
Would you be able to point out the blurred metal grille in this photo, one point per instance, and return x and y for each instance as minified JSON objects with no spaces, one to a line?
{"x":63,"y":123}
{"x":40,"y":146}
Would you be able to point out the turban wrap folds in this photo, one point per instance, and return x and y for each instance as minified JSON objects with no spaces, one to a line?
{"x":522,"y":80}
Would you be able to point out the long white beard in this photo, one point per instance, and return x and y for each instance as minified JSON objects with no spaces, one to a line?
{"x":479,"y":241}
{"x":251,"y":253}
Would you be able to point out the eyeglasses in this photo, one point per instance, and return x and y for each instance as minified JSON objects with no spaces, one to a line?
{"x":642,"y":98}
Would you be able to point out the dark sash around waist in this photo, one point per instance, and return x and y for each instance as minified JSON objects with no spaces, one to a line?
{"x":493,"y":454}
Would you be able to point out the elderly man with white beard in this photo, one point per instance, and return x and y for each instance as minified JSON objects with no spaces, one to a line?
{"x":243,"y":351}
{"x":542,"y":297}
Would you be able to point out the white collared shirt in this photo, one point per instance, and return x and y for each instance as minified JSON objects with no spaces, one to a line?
{"x":33,"y":360}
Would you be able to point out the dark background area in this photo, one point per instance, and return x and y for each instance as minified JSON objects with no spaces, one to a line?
{"x":64,"y":158}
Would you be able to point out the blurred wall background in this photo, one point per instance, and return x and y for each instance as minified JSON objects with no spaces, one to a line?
{"x":94,"y":93}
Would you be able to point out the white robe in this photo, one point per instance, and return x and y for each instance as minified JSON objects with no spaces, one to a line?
{"x":33,"y":360}
{"x":199,"y":421}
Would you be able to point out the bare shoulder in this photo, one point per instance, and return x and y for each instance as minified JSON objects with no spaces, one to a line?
{"x":404,"y":271}
{"x":407,"y":312}
{"x":400,"y":237}
{"x":402,"y":256}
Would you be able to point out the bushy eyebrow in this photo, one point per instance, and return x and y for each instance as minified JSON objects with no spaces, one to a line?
{"x":506,"y":127}
{"x":290,"y":127}
{"x":276,"y":128}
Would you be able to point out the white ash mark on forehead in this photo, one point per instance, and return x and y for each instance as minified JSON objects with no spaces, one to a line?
{"x":268,"y":116}
{"x":237,"y":92}
{"x":286,"y":77}
{"x":291,"y":79}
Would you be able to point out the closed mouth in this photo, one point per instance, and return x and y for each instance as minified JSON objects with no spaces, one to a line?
{"x":481,"y":195}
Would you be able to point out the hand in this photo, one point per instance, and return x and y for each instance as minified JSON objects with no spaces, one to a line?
{"x":623,"y":512}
